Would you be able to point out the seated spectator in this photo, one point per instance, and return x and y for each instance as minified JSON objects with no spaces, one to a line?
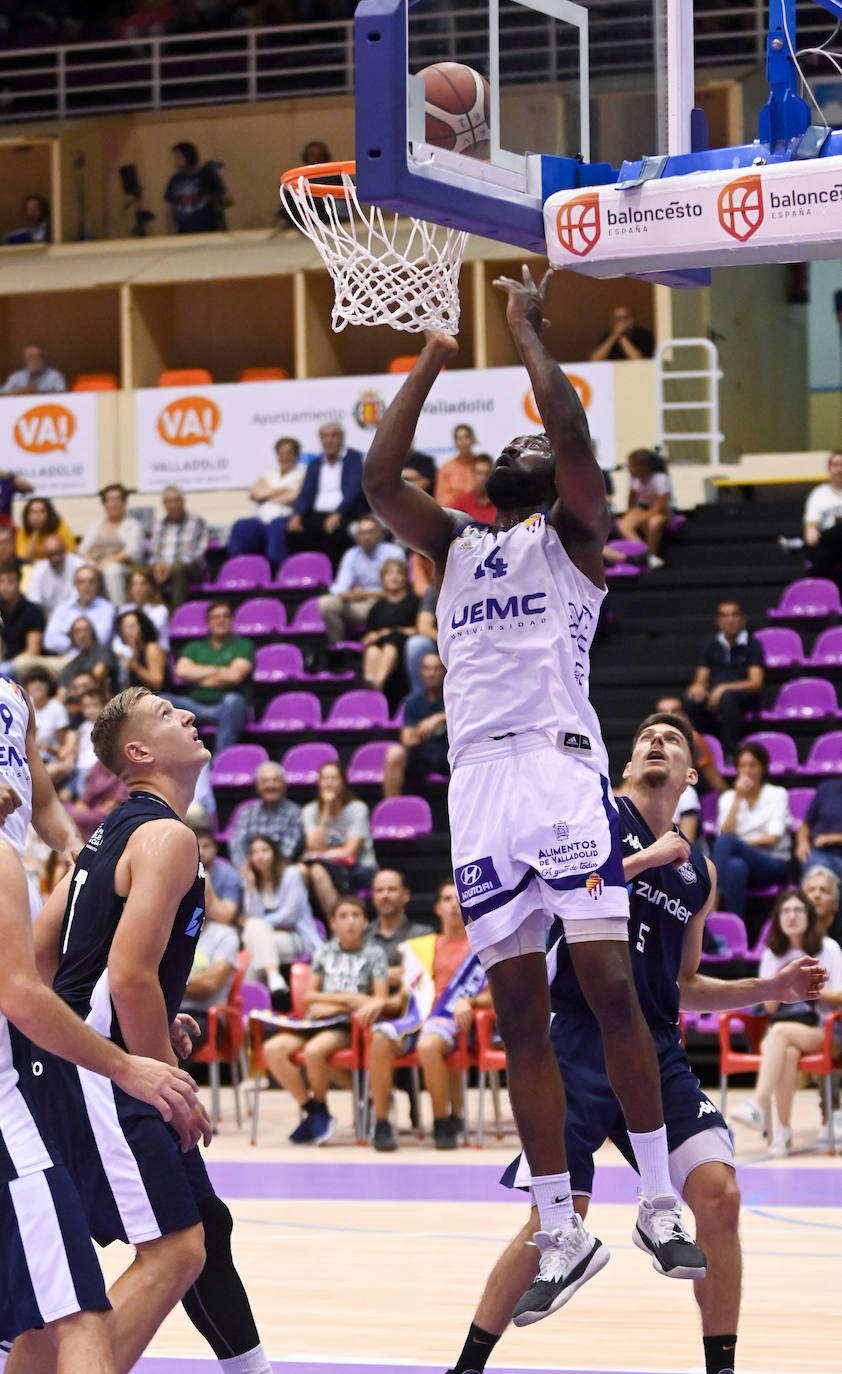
{"x":271,"y":813}
{"x":141,"y":658}
{"x":357,"y":585}
{"x":34,"y":376}
{"x":90,"y":702}
{"x":102,"y":791}
{"x":420,"y":470}
{"x":728,"y":681}
{"x":22,"y":626}
{"x":823,"y":522}
{"x":90,"y":657}
{"x":51,"y":580}
{"x":651,"y":502}
{"x":144,"y":595}
{"x":443,"y":984}
{"x":114,"y":543}
{"x":753,"y":845}
{"x":423,"y":744}
{"x":688,"y":813}
{"x":338,"y":852}
{"x":391,"y":926}
{"x":475,"y":503}
{"x":823,"y":887}
{"x":36,"y":227}
{"x":705,"y":766}
{"x":331,"y":497}
{"x":347,"y":978}
{"x":818,"y":839}
{"x":795,"y":1028}
{"x":212,"y":973}
{"x":86,"y":600}
{"x":625,"y":340}
{"x":196,"y":195}
{"x":223,"y":889}
{"x":7,"y":543}
{"x":177,"y":548}
{"x":10,"y":485}
{"x":217,"y":672}
{"x":80,"y":684}
{"x":40,"y":519}
{"x":279,"y":926}
{"x":456,"y":476}
{"x":388,"y":626}
{"x":274,"y":494}
{"x":54,"y":737}
{"x":424,"y":641}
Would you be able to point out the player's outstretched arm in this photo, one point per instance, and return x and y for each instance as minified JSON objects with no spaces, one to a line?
{"x":52,"y":822}
{"x":408,"y":512}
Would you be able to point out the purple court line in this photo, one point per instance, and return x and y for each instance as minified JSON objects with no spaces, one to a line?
{"x":151,"y":1364}
{"x":374,"y":1182}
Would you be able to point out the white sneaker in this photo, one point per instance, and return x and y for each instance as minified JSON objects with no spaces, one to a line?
{"x":653,"y":561}
{"x":660,"y":1233}
{"x":781,"y":1141}
{"x":749,"y":1114}
{"x":568,"y":1259}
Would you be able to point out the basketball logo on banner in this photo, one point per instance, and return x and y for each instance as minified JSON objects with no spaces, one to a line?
{"x":578,"y":224}
{"x":740,"y":207}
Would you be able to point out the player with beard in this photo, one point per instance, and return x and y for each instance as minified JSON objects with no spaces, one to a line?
{"x":672,"y":889}
{"x":534,"y":827}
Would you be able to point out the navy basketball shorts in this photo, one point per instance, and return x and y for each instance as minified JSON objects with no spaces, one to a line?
{"x":134,"y":1182}
{"x":48,"y":1266}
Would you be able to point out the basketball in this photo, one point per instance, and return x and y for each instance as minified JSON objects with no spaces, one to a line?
{"x":457,"y":106}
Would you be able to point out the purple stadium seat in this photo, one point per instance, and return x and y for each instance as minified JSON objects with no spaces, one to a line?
{"x":632,"y":548}
{"x":759,"y":945}
{"x":308,"y":619}
{"x":290,"y":711}
{"x":715,"y":747}
{"x":799,"y":800}
{"x":825,"y":754}
{"x":361,"y":709}
{"x":278,"y":663}
{"x":189,"y":620}
{"x":783,"y":755}
{"x":676,"y":522}
{"x":302,"y":762}
{"x":237,"y":765}
{"x":827,"y":650}
{"x":725,"y":925}
{"x":809,"y":596}
{"x":263,"y":615}
{"x":617,"y":570}
{"x":804,"y":698}
{"x":367,"y":762}
{"x":707,"y":805}
{"x":243,"y":573}
{"x":303,"y":570}
{"x":782,"y":646}
{"x":401,"y":818}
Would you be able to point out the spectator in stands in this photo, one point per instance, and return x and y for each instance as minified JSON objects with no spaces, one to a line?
{"x":728,"y":681}
{"x":705,"y":765}
{"x":651,"y":502}
{"x":823,"y":522}
{"x":11,"y":484}
{"x":420,"y":470}
{"x":423,"y":744}
{"x":7,"y":545}
{"x":456,"y":476}
{"x":688,"y":813}
{"x":475,"y":503}
{"x":795,"y":1028}
{"x":818,"y":839}
{"x":36,"y":227}
{"x":272,"y":814}
{"x":56,"y":741}
{"x":141,"y":658}
{"x":279,"y":926}
{"x":145,"y":596}
{"x":223,"y":889}
{"x":90,"y":702}
{"x":338,"y":853}
{"x":274,"y":494}
{"x":823,"y":887}
{"x":388,"y":626}
{"x":177,"y":548}
{"x":196,"y":196}
{"x":212,"y":973}
{"x":114,"y":543}
{"x":22,"y":628}
{"x":443,"y":985}
{"x":102,"y":791}
{"x":357,"y":585}
{"x":52,"y":577}
{"x":89,"y":656}
{"x":87,"y":600}
{"x":753,"y":846}
{"x":331,"y":497}
{"x":39,"y":521}
{"x":391,"y":926}
{"x":424,"y":641}
{"x":347,"y":978}
{"x":34,"y":376}
{"x":625,"y":340}
{"x":217,"y":671}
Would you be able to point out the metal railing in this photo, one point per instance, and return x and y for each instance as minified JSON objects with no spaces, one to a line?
{"x":701,"y":399}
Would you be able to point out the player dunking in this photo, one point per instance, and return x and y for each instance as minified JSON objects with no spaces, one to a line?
{"x":672,"y":889}
{"x":119,"y":934}
{"x":533,"y":824}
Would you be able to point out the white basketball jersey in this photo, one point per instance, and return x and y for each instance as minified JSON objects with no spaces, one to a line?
{"x":14,"y":767}
{"x":516,"y":619}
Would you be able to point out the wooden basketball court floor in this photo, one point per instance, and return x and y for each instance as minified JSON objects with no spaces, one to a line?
{"x":356,"y":1261}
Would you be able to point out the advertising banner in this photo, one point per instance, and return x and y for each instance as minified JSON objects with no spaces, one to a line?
{"x":52,"y":441}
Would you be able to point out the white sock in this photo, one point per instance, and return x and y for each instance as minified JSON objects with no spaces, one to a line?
{"x":652,"y":1155}
{"x":253,"y":1362}
{"x":554,"y":1201}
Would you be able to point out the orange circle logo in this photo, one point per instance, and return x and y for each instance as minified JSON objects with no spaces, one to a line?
{"x":582,"y":388}
{"x":44,"y":428}
{"x":189,"y":420}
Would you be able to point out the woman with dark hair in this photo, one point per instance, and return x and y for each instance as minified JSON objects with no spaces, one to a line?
{"x":145,"y":595}
{"x":279,"y":926}
{"x":754,"y":844}
{"x":196,"y":196}
{"x":795,"y":1027}
{"x":338,"y":853}
{"x":388,"y":626}
{"x":40,"y":519}
{"x":651,"y":502}
{"x":142,"y":659}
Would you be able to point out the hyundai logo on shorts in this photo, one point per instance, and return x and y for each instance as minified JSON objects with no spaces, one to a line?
{"x":477,"y":878}
{"x":470,"y":874}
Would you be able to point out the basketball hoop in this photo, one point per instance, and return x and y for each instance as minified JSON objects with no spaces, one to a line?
{"x":384,"y":271}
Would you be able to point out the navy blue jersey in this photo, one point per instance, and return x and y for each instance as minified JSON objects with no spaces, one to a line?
{"x":662,"y":903}
{"x":93,"y":913}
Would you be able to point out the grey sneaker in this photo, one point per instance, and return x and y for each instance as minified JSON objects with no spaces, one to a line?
{"x":660,"y":1233}
{"x":384,"y":1137}
{"x":749,"y":1114}
{"x":568,"y":1259}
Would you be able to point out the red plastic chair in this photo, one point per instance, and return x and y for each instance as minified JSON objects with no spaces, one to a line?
{"x":96,"y":381}
{"x":491,"y":1062}
{"x":263,"y":374}
{"x":185,"y":376}
{"x":462,"y":1058}
{"x":226,"y":1039}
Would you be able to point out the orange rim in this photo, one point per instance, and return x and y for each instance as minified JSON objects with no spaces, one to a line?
{"x":320,"y":169}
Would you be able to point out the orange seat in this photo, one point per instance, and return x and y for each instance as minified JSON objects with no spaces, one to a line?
{"x":462,"y":1058}
{"x":405,"y":363}
{"x":264,"y":374}
{"x":185,"y":376}
{"x":226,"y":1039}
{"x":96,"y":381}
{"x":491,"y":1062}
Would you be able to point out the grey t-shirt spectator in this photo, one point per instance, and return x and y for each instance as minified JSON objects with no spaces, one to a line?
{"x":407,"y":930}
{"x":348,"y":970}
{"x":215,"y":942}
{"x":352,"y":821}
{"x":281,"y":823}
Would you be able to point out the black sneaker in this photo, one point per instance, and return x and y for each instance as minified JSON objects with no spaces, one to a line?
{"x":568,"y":1259}
{"x":303,"y":1133}
{"x":457,"y":1125}
{"x":444,"y":1135}
{"x":384,"y":1136}
{"x":660,"y":1233}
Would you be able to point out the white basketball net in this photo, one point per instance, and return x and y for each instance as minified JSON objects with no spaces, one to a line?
{"x":413,"y":287}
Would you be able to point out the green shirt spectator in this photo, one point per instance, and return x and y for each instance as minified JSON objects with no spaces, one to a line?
{"x":217,"y":675}
{"x":205,"y":653}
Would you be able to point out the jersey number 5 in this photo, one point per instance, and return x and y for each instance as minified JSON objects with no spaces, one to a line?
{"x":642,"y":931}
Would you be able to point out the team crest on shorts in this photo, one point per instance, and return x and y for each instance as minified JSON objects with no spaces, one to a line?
{"x":561,"y":830}
{"x":594,"y":885}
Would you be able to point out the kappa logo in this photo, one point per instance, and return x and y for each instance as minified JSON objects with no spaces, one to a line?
{"x":594,"y":885}
{"x":632,"y":841}
{"x":706,"y":1108}
{"x":578,"y":224}
{"x":740,"y":207}
{"x":470,"y":874}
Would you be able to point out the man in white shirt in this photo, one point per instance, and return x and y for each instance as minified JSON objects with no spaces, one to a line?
{"x":52,"y":576}
{"x":823,"y":521}
{"x":357,"y":584}
{"x":34,"y":376}
{"x":86,"y":600}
